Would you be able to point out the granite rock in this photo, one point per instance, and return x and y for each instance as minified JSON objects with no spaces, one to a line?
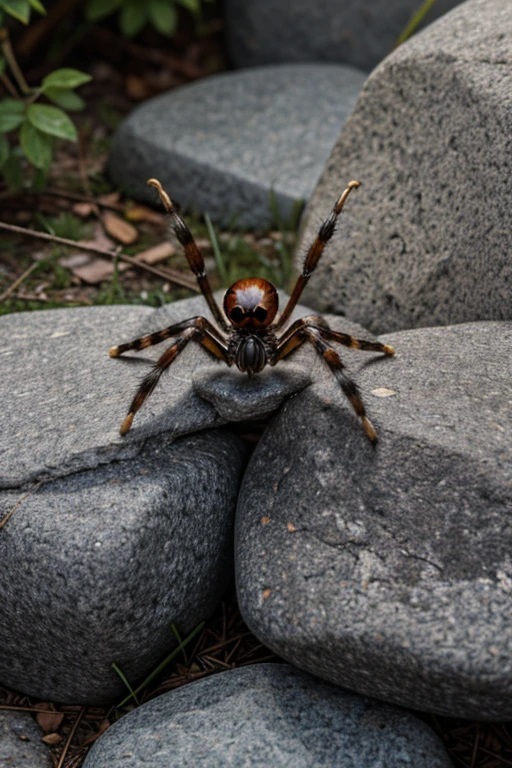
{"x":266,"y":715}
{"x":20,"y":742}
{"x":272,"y":31}
{"x":427,"y":238}
{"x":229,"y":144}
{"x":110,"y":540}
{"x":387,"y":570}
{"x":97,"y":565}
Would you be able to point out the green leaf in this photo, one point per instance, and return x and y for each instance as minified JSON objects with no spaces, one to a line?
{"x":99,"y":9}
{"x":12,"y":170}
{"x":12,"y":114}
{"x":163,"y":16}
{"x":4,"y":149}
{"x":66,"y":99}
{"x":64,"y":78}
{"x":37,"y":147}
{"x":51,"y":120}
{"x":133,"y":18}
{"x":37,"y":6}
{"x":18,"y":9}
{"x":192,"y":5}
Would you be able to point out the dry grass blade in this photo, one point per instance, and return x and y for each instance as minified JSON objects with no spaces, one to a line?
{"x":17,"y":282}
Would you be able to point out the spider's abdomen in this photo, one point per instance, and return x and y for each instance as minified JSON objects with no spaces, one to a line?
{"x":251,"y":355}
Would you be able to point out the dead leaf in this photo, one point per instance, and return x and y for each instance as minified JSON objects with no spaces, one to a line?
{"x":84,"y":210}
{"x":98,"y":240}
{"x":97,"y":270}
{"x":383,"y":392}
{"x":111,"y":198}
{"x":136,"y":87}
{"x":52,"y":739}
{"x":138,"y":212}
{"x":50,"y":720}
{"x":119,"y":228}
{"x":157,"y":253}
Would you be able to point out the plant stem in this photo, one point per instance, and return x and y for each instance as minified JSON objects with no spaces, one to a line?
{"x":167,"y":274}
{"x":5,"y":45}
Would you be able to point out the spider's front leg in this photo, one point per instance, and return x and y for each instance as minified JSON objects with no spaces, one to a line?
{"x":314,"y":329}
{"x":196,"y":328}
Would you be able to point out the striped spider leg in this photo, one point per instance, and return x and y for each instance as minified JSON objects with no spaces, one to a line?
{"x":244,"y":334}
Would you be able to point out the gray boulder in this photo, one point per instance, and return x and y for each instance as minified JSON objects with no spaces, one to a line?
{"x":266,"y":715}
{"x":20,"y":742}
{"x":230,"y":143}
{"x":274,"y":31}
{"x":426,"y":240}
{"x":110,"y":540}
{"x":97,"y":566}
{"x":388,"y":570}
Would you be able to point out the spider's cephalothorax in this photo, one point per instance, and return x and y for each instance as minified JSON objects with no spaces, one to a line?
{"x":247,"y":334}
{"x":250,"y":306}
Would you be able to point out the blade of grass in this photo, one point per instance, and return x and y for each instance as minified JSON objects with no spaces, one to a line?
{"x":414,"y":22}
{"x":219,"y":261}
{"x":159,"y":668}
{"x":123,"y":677}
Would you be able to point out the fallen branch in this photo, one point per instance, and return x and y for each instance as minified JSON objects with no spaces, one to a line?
{"x":166,"y":274}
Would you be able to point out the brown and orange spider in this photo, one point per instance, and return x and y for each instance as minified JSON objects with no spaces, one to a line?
{"x":245,"y":334}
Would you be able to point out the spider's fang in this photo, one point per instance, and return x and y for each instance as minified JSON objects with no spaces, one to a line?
{"x":125,"y":426}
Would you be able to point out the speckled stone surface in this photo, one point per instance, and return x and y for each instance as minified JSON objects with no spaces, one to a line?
{"x":96,"y":566}
{"x":20,"y":742}
{"x":266,"y":715}
{"x":388,"y":570}
{"x":427,"y":238}
{"x":270,"y":31}
{"x":110,"y":539}
{"x":230,"y":143}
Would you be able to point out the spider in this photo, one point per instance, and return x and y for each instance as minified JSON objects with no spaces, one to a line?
{"x":247,"y":333}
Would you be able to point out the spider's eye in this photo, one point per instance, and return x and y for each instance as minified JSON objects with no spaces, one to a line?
{"x":236,"y":315}
{"x":260,"y":313}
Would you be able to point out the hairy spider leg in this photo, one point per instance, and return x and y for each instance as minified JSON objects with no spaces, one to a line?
{"x":143,"y":342}
{"x":351,"y":341}
{"x":198,"y":329}
{"x":192,"y":252}
{"x":300,"y":333}
{"x":314,"y":253}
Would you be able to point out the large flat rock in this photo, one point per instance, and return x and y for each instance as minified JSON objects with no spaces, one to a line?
{"x":427,"y":238}
{"x":388,"y":570}
{"x":96,"y":566}
{"x":231,"y":144}
{"x":266,"y":715}
{"x":362,"y":34}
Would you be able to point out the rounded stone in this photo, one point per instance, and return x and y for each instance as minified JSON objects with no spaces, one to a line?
{"x":97,"y":566}
{"x":266,"y":715}
{"x":426,"y":240}
{"x":387,"y":569}
{"x":362,"y":34}
{"x":245,"y":147}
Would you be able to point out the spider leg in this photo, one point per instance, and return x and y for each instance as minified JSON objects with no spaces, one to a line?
{"x":319,"y":323}
{"x":314,"y":253}
{"x":192,"y":252}
{"x":350,"y":341}
{"x":300,"y":333}
{"x":197,"y":329}
{"x":158,"y":336}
